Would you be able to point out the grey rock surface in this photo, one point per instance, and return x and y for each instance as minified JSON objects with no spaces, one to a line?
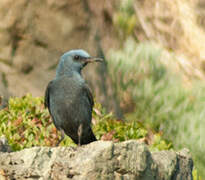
{"x":4,"y":147}
{"x":98,"y":160}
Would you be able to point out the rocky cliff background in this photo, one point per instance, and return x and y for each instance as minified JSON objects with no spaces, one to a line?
{"x":34,"y":34}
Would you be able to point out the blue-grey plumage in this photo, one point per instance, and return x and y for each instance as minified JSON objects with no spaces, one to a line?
{"x":69,"y":99}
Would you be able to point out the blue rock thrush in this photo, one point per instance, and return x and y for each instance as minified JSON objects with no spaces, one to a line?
{"x":69,"y":99}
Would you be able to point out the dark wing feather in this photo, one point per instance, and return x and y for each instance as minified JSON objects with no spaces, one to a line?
{"x":47,"y":102}
{"x":46,"y":98}
{"x":89,"y":95}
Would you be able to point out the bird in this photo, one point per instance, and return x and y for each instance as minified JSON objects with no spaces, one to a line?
{"x":69,"y":99}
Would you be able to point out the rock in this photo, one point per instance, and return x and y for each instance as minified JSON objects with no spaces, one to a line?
{"x":34,"y":34}
{"x":172,"y":165}
{"x":4,"y":147}
{"x":98,"y":160}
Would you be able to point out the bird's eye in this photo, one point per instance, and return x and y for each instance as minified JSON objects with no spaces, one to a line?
{"x":76,"y":57}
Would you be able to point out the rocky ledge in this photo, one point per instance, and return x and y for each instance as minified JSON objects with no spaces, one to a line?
{"x":98,"y":160}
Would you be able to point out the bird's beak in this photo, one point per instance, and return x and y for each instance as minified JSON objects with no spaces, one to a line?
{"x":94,"y":59}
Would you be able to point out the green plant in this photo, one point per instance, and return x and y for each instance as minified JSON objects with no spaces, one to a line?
{"x":159,"y":99}
{"x":124,"y":18}
{"x":26,"y":123}
{"x":107,"y":127}
{"x":196,"y":175}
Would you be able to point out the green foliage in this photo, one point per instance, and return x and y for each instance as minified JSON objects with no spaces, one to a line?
{"x":26,"y":123}
{"x":109,"y":128}
{"x":159,"y":99}
{"x":160,"y":144}
{"x":125,"y":18}
{"x":119,"y":130}
{"x":196,"y":175}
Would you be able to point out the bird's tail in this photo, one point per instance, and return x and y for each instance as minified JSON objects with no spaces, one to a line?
{"x":87,"y":137}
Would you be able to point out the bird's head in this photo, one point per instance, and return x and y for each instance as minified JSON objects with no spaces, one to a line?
{"x":75,"y":60}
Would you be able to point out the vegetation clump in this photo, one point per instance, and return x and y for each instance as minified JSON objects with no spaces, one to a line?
{"x":26,"y":123}
{"x":158,"y":97}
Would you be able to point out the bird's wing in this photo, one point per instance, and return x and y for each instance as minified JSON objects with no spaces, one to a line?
{"x":46,"y":98}
{"x":89,"y":95}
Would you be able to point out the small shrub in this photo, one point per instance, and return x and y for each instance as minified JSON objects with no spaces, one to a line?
{"x":107,"y":127}
{"x":26,"y":123}
{"x":158,"y":97}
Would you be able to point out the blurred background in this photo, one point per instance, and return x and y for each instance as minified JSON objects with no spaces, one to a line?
{"x":154,"y":52}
